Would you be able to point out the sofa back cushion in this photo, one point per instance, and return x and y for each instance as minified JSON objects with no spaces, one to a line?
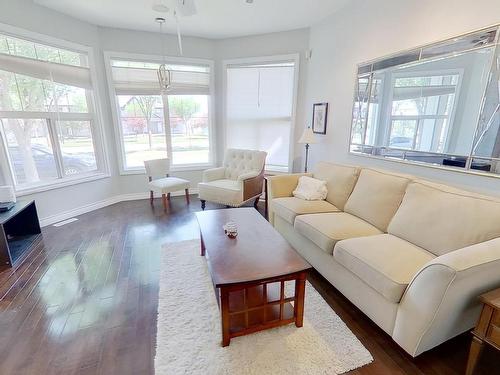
{"x":340,"y":180}
{"x":442,"y":219}
{"x":376,"y":197}
{"x":238,"y":161}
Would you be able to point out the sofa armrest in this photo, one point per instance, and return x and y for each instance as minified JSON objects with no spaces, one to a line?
{"x":213,"y":174}
{"x":281,"y":186}
{"x":442,"y":299}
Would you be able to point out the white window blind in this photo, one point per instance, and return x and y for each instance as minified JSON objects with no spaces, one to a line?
{"x":259,"y":100}
{"x":143,"y":80}
{"x":66,"y":74}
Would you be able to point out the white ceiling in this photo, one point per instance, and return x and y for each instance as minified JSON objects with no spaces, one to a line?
{"x":215,"y":18}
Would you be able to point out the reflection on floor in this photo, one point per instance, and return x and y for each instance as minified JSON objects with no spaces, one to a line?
{"x":85,"y":301}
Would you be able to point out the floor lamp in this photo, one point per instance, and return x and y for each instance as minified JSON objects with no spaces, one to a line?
{"x":307,"y":138}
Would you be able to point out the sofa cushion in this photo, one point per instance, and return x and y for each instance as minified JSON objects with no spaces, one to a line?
{"x":225,"y":191}
{"x":289,"y":207}
{"x":376,"y":197}
{"x":328,"y":228}
{"x":442,"y":219}
{"x":384,"y":262}
{"x":340,"y":181}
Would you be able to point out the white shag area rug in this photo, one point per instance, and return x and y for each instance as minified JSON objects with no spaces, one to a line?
{"x":189,"y":333}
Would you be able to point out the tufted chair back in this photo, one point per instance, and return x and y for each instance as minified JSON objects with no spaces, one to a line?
{"x":238,"y":162}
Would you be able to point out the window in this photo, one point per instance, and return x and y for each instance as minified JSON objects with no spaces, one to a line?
{"x":260,"y":100}
{"x":421,"y":110}
{"x":143,"y":128}
{"x":47,"y":116}
{"x":366,"y":110}
{"x":189,"y":129}
{"x":152,"y":126}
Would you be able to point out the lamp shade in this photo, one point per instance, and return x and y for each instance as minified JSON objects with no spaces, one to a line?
{"x":308,"y":136}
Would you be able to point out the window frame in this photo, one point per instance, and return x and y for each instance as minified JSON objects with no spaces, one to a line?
{"x":295,"y":57}
{"x":418,"y":118}
{"x":112,"y":55}
{"x":94,"y":115}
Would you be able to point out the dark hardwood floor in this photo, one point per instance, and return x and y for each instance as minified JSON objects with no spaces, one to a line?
{"x":85,"y":301}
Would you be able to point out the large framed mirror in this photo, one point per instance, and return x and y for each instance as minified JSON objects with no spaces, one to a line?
{"x":436,"y":105}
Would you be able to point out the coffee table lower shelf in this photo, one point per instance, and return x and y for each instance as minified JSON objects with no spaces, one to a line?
{"x":254,"y":306}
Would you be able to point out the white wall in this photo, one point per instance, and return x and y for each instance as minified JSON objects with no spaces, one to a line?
{"x":368,"y":29}
{"x":26,"y":15}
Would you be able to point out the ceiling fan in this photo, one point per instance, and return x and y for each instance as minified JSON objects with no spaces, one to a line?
{"x":179,"y":8}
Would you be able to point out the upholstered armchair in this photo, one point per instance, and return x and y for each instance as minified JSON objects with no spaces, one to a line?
{"x":238,"y":181}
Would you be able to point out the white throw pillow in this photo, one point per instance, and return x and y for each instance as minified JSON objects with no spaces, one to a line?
{"x":310,"y":189}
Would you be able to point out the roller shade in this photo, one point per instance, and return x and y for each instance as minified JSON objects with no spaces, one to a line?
{"x":60,"y":73}
{"x":144,"y":81}
{"x":259,"y":110}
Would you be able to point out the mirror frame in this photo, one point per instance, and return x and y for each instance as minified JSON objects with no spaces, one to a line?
{"x":423,"y":54}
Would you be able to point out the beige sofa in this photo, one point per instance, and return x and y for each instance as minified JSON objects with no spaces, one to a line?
{"x":411,"y":254}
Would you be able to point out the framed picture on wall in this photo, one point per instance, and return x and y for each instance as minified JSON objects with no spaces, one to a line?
{"x":320,"y":117}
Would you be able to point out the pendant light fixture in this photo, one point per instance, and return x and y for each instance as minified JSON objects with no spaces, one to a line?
{"x":164,"y":74}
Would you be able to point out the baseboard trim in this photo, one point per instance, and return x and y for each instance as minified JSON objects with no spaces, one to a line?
{"x":51,"y":219}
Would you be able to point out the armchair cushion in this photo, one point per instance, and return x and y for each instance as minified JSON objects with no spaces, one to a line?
{"x":289,"y":207}
{"x":229,"y":192}
{"x":384,"y":262}
{"x":326,"y":229}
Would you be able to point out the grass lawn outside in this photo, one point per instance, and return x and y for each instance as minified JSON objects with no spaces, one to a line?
{"x":185,"y":150}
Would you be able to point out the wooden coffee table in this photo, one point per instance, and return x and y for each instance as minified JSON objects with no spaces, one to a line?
{"x":249,"y":272}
